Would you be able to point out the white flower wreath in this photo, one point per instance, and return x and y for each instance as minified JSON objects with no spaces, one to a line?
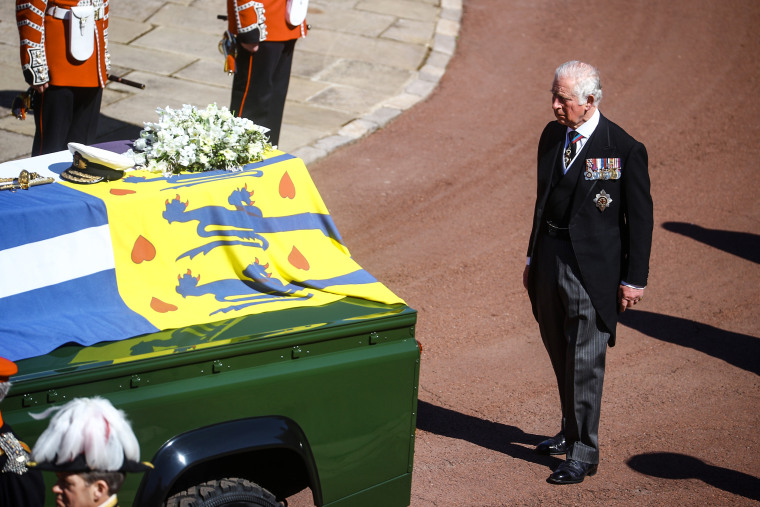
{"x":195,"y":140}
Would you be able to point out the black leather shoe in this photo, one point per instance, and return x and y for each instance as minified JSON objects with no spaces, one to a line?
{"x":554,"y":445}
{"x":572,"y":471}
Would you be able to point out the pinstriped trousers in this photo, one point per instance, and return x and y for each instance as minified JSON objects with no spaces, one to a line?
{"x":576,"y":341}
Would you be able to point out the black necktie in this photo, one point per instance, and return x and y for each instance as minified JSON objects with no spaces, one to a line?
{"x":572,"y":138}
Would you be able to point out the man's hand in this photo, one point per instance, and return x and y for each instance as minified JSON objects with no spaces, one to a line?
{"x":628,"y":296}
{"x":251,"y":48}
{"x":41,"y":88}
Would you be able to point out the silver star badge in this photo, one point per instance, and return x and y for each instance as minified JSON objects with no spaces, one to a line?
{"x":602,"y":200}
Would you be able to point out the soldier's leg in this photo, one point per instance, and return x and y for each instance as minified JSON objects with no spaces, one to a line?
{"x":86,"y":113}
{"x":53,"y":113}
{"x":281,"y":81}
{"x":261,"y":83}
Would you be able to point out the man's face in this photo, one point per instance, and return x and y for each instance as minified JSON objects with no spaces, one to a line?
{"x":565,"y":105}
{"x":72,"y":491}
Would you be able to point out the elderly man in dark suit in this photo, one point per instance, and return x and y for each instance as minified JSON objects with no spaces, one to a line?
{"x":588,"y":256}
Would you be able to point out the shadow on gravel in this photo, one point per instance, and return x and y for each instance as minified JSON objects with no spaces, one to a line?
{"x":491,"y":435}
{"x":7,"y":97}
{"x":669,"y":465}
{"x":111,"y":129}
{"x":742,"y":244}
{"x":738,"y":349}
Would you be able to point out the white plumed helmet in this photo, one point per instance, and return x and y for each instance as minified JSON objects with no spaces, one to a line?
{"x":87,"y":434}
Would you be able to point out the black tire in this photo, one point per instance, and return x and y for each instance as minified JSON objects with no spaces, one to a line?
{"x":228,"y":492}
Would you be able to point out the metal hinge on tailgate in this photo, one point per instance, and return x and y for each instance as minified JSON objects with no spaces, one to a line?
{"x":299,"y":351}
{"x":375,"y":338}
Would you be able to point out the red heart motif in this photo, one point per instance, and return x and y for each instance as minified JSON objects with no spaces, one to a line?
{"x":161,"y":307}
{"x":287,"y":187}
{"x":297,"y":259}
{"x":143,"y":250}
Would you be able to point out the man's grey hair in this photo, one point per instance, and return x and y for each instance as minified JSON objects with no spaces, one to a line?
{"x":4,"y":388}
{"x":114,"y":480}
{"x":586,"y":79}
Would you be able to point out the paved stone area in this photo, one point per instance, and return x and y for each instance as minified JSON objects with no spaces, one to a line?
{"x":362,"y":64}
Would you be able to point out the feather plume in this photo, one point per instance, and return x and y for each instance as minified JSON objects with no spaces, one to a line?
{"x":89,"y":426}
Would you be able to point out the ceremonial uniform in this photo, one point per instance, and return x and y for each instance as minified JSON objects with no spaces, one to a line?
{"x":261,"y":80}
{"x":111,"y":502}
{"x":18,"y":484}
{"x":64,"y":44}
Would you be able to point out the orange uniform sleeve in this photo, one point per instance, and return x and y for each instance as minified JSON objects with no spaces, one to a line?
{"x":30,"y":18}
{"x":246,"y":20}
{"x":253,"y":22}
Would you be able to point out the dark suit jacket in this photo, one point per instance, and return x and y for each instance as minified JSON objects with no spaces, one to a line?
{"x":610,"y":245}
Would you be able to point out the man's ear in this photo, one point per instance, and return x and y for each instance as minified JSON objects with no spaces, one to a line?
{"x":589,"y":102}
{"x":100,"y":490}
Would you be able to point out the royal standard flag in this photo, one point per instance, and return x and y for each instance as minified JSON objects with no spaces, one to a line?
{"x":89,"y":263}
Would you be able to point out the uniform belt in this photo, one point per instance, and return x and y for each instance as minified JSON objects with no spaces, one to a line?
{"x":61,"y":13}
{"x":554,"y":231}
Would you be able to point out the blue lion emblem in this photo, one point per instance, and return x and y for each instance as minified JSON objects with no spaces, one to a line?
{"x":220,"y":221}
{"x":256,"y":288}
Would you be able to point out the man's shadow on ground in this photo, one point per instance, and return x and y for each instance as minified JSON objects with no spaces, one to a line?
{"x":742,"y":244}
{"x":8,"y":96}
{"x":509,"y":440}
{"x":735,"y":348}
{"x":111,"y":129}
{"x":738,"y":349}
{"x":669,"y":465}
{"x":514,"y":442}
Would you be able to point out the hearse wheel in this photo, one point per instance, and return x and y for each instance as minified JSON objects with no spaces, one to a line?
{"x":228,"y":492}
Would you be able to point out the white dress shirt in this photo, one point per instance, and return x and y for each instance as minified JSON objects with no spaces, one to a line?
{"x":585,"y":130}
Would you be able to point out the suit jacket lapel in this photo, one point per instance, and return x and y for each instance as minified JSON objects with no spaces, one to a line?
{"x":549,"y":164}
